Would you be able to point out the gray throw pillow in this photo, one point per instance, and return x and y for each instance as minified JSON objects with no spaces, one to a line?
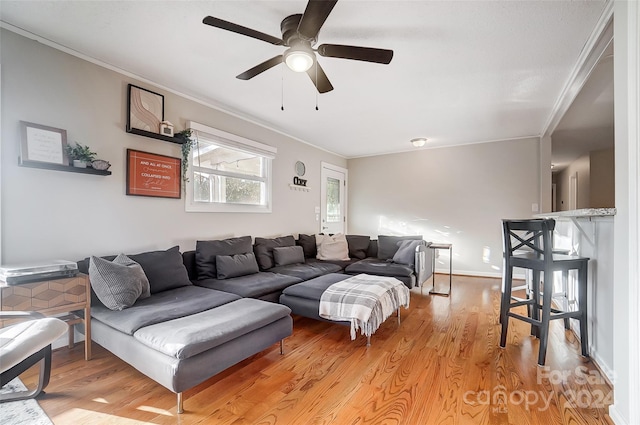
{"x":164,"y":269}
{"x":388,"y":245}
{"x":308,"y":244}
{"x":229,"y":266}
{"x":406,"y":253}
{"x":118,"y":283}
{"x":263,"y":248}
{"x":358,"y":246}
{"x":284,"y":256}
{"x":206,"y":252}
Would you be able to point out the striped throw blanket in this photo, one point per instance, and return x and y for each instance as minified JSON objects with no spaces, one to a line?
{"x":364,"y":300}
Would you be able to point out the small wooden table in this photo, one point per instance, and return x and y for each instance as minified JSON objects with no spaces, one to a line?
{"x":53,"y":297}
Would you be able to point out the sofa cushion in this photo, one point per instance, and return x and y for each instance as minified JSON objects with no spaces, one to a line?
{"x":160,"y":307}
{"x":379,"y":267}
{"x":310,"y":269}
{"x":164,"y":269}
{"x":358,"y":246}
{"x":388,"y":245}
{"x":286,"y":255}
{"x":118,"y":283}
{"x":206,"y":252}
{"x":228,"y":266}
{"x":188,"y":336}
{"x":263,"y":248}
{"x":332,"y":247}
{"x":406,"y":253}
{"x":255,"y":285}
{"x":313,"y":289}
{"x":308,"y":244}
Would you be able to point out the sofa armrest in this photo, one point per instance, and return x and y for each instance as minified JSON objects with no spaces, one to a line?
{"x":423,"y":263}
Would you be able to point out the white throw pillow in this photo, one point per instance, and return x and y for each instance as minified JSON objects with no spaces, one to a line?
{"x":332,"y":248}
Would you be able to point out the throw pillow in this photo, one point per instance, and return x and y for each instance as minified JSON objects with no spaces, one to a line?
{"x":263,"y":248}
{"x":164,"y":269}
{"x":308,"y":244}
{"x":118,"y":283}
{"x":332,"y":248}
{"x":286,"y":255}
{"x":206,"y":252}
{"x":358,"y":246}
{"x":388,"y":245}
{"x":229,"y":266}
{"x":406,"y":253}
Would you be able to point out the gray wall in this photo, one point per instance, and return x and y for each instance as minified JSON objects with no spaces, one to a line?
{"x":456,"y":195}
{"x":52,"y":214}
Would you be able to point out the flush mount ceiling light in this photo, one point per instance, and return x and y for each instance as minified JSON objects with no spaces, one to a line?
{"x":418,"y":142}
{"x":299,"y":58}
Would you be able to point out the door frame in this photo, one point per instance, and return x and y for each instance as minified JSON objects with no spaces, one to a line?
{"x":328,"y":166}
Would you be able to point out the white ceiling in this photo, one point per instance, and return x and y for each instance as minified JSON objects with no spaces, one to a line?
{"x":462,"y":71}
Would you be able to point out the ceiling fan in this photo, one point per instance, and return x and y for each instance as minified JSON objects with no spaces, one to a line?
{"x":299,"y":34}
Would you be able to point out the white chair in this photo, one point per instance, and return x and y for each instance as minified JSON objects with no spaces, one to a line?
{"x":24,"y":344}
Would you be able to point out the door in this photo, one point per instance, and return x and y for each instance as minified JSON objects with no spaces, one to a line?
{"x":333,"y":202}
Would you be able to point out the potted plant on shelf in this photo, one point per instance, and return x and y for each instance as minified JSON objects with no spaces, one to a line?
{"x":186,"y":144}
{"x":81,"y":155}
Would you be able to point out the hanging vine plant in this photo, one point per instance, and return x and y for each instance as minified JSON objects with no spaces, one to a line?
{"x":187,"y":144}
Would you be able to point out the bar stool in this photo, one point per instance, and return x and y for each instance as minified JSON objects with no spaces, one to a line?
{"x":528,"y":245}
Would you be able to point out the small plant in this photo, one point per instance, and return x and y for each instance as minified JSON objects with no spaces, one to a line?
{"x":187,"y":144}
{"x":80,"y":152}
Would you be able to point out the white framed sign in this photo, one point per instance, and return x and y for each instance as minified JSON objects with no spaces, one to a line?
{"x":41,"y":143}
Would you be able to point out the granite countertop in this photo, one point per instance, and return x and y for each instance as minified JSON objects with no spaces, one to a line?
{"x":585,"y":212}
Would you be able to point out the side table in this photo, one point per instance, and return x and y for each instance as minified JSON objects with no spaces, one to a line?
{"x":53,"y":297}
{"x":435,"y":247}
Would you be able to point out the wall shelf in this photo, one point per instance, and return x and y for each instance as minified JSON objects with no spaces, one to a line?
{"x":59,"y":167}
{"x":154,"y":135}
{"x":300,"y":188}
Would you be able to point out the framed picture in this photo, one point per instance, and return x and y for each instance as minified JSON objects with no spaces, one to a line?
{"x":41,"y":143}
{"x":150,"y":174}
{"x":145,"y":109}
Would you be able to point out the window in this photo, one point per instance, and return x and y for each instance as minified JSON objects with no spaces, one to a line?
{"x":228,"y":173}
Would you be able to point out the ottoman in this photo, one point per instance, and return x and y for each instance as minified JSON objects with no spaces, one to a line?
{"x":365,"y":301}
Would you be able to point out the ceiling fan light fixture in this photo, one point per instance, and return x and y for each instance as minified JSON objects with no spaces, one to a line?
{"x":419,"y":142}
{"x":299,"y":58}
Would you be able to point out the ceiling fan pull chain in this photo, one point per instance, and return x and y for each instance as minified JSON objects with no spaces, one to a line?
{"x":282,"y":88}
{"x":316,"y":83}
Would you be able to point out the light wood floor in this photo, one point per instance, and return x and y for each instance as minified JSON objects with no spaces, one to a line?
{"x":442,"y":365}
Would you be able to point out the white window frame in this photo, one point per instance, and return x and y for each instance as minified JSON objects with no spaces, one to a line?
{"x":229,"y":140}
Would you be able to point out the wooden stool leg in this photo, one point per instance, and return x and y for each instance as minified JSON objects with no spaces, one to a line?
{"x":504,"y":304}
{"x":546,"y":315}
{"x":582,"y":305}
{"x":535,"y":307}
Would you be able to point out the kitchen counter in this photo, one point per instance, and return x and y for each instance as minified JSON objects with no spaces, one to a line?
{"x":589,"y":233}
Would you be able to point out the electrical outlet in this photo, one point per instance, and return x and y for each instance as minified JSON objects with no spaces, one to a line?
{"x":534,"y":207}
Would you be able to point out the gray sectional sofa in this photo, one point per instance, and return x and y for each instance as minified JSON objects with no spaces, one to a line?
{"x":223,"y":297}
{"x":182,"y":334}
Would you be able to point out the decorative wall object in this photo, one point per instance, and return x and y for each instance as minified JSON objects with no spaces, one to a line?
{"x":166,"y":128}
{"x":145,"y":109}
{"x":41,"y":143}
{"x":150,"y":174}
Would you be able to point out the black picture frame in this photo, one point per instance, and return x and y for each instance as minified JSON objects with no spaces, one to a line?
{"x":145,"y":109}
{"x":153,"y":175}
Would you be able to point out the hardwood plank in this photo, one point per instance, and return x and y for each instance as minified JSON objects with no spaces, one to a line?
{"x":442,"y":365}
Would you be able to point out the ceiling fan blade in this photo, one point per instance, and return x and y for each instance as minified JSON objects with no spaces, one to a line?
{"x":239,"y":29}
{"x":367,"y":54}
{"x":314,"y":16}
{"x":322,"y":83}
{"x":250,"y":73}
